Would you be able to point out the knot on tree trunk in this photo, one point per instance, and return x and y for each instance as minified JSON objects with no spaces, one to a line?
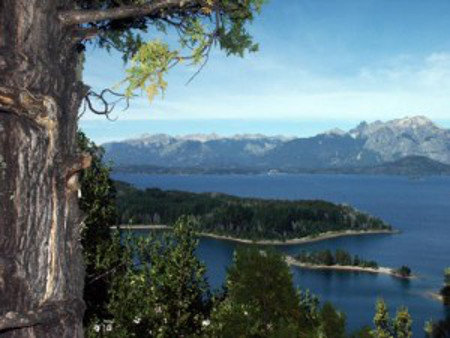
{"x":41,"y":109}
{"x":76,"y":164}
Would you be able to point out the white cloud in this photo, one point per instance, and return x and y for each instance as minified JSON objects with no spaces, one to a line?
{"x":428,"y":74}
{"x":267,"y":88}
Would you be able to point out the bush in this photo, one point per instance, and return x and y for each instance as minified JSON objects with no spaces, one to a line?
{"x":404,"y":271}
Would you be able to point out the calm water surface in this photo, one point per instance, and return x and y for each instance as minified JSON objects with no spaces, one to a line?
{"x":419,"y":208}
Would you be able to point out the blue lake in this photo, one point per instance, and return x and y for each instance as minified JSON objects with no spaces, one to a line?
{"x":419,"y":208}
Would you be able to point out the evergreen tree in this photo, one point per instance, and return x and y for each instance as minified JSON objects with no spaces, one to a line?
{"x":333,"y":322}
{"x":404,"y":271}
{"x":261,"y":300}
{"x":328,"y":258}
{"x":385,"y":327}
{"x":403,"y":324}
{"x":382,"y":321}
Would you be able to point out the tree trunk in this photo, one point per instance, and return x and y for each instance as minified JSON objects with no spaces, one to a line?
{"x":41,"y":268}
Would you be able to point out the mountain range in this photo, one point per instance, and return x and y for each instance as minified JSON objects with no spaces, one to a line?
{"x":413,"y":145}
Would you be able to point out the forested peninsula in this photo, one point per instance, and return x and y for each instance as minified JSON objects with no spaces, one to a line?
{"x":245,"y":219}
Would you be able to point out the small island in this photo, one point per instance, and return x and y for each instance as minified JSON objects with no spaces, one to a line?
{"x":344,"y":261}
{"x":247,"y":220}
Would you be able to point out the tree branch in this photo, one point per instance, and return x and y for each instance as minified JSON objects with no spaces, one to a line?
{"x":93,"y":279}
{"x":107,"y":106}
{"x":74,"y":17}
{"x":85,"y":34}
{"x":46,"y":314}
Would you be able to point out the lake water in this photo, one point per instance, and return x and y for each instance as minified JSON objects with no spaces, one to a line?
{"x":419,"y":208}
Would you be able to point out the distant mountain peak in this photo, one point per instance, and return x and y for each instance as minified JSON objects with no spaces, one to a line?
{"x":335,"y":131}
{"x":370,"y":144}
{"x":400,"y":125}
{"x":147,"y":138}
{"x":150,"y":138}
{"x":199,"y":137}
{"x":414,"y":121}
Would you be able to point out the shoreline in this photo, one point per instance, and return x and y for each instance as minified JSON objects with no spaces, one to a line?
{"x":303,"y":240}
{"x":294,"y":241}
{"x":347,"y":268}
{"x":142,"y":227}
{"x":435,"y":296}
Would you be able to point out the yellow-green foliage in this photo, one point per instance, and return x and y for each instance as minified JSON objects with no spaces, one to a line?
{"x":148,"y":67}
{"x":385,"y":327}
{"x":221,"y":22}
{"x":403,"y":323}
{"x":382,"y":321}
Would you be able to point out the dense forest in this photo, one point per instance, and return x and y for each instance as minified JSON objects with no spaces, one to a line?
{"x":247,"y":218}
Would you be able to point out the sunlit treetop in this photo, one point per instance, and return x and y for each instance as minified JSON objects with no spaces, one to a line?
{"x":143,"y":32}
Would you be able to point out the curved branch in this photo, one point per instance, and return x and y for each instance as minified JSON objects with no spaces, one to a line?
{"x":74,"y":17}
{"x":106,"y":106}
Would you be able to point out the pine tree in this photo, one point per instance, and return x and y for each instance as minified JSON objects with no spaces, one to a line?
{"x":403,"y":323}
{"x":385,"y":327}
{"x":382,"y":321}
{"x":333,"y":322}
{"x":260,"y":300}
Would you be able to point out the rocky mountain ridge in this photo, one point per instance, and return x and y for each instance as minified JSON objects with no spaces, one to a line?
{"x":368,"y":144}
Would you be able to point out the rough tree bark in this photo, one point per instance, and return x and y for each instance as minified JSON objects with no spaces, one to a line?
{"x":41,"y":269}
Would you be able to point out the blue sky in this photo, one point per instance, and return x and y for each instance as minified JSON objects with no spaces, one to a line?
{"x":322,"y":64}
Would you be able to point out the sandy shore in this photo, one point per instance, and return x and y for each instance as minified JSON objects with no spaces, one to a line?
{"x":304,"y":240}
{"x":350,"y":268}
{"x":294,"y":241}
{"x":435,"y":295}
